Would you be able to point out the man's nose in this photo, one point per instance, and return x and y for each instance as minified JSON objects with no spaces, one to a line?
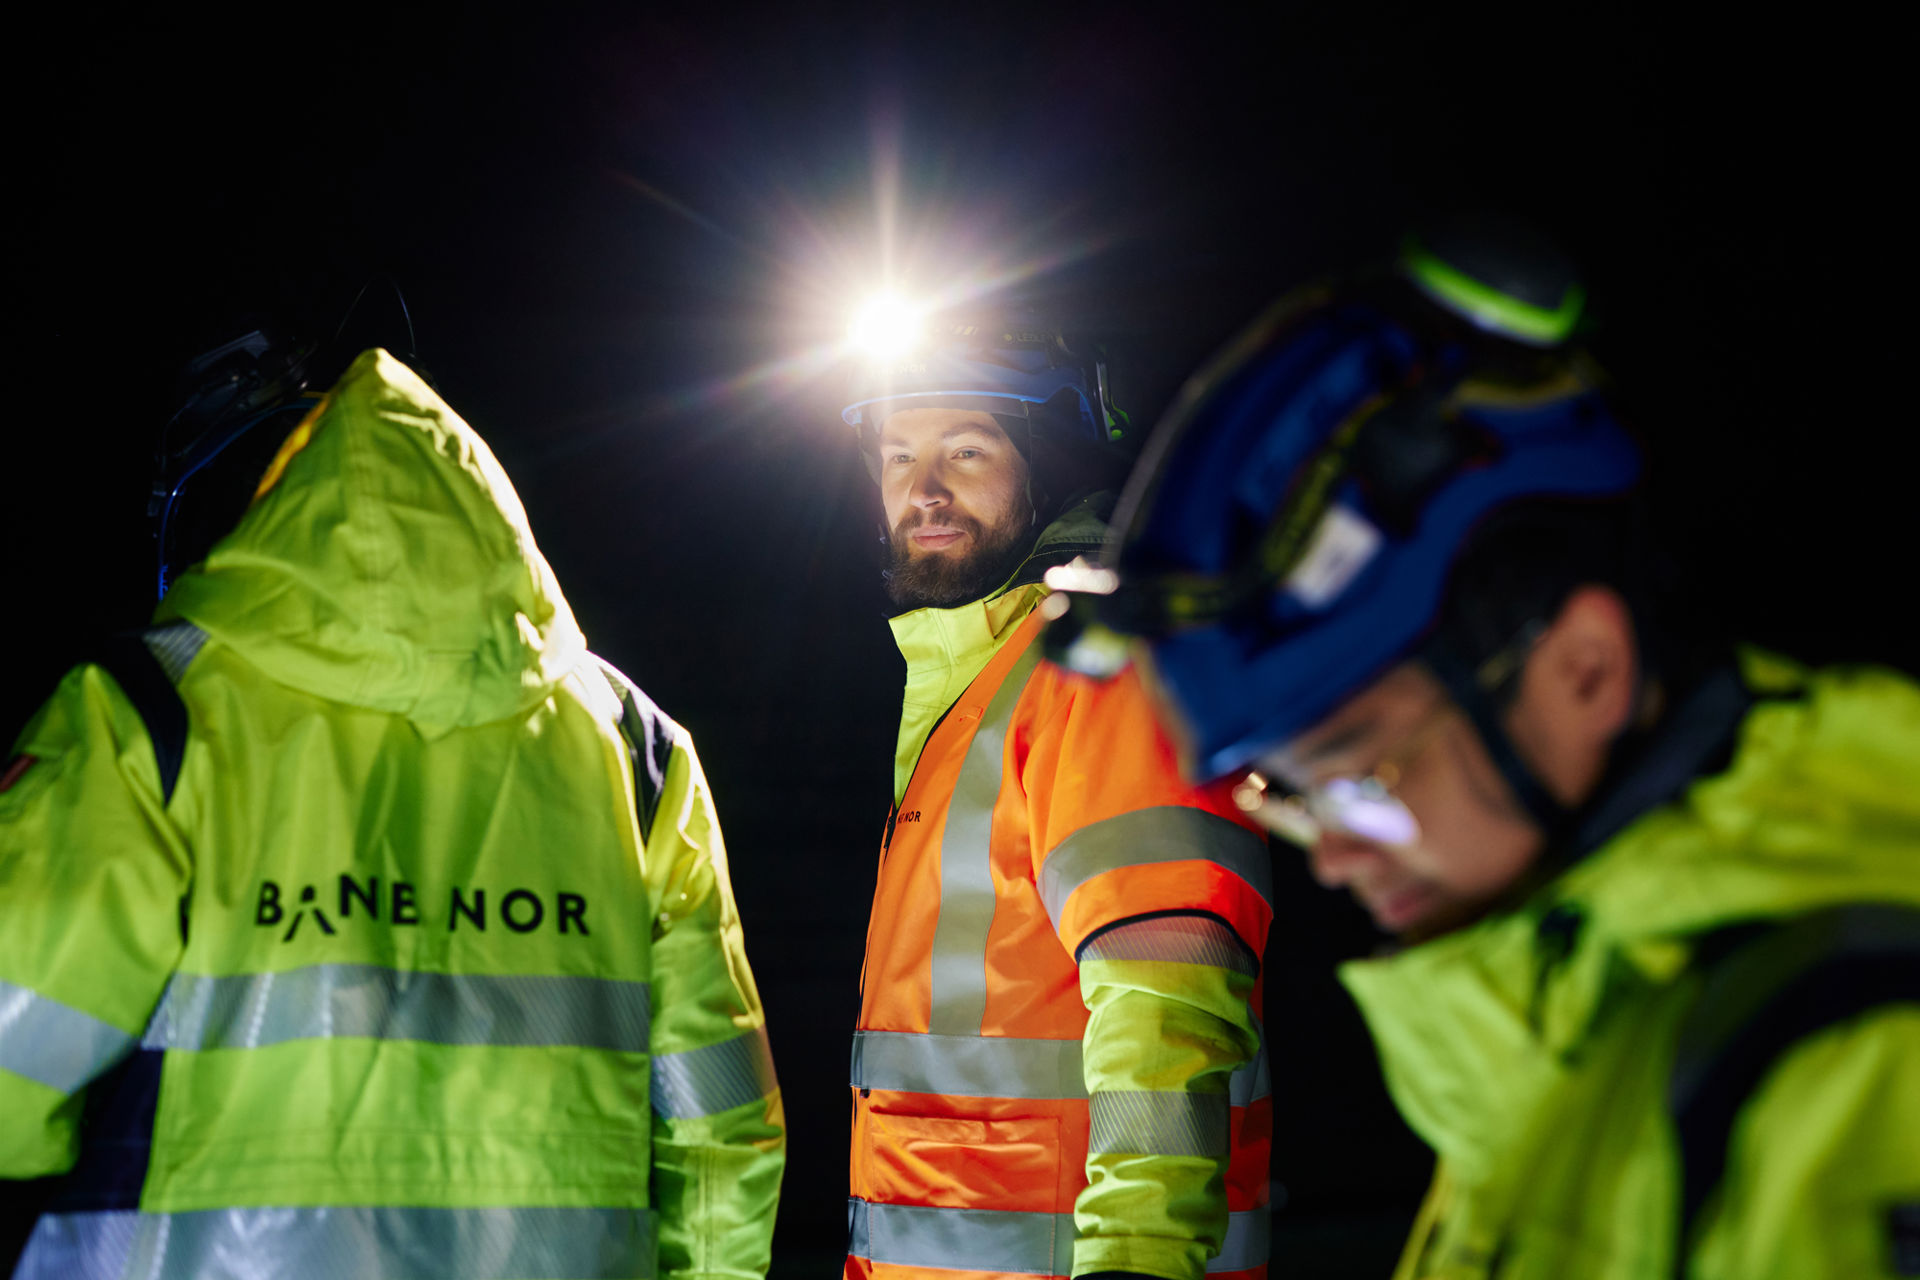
{"x":927,"y":490}
{"x":1337,"y":859}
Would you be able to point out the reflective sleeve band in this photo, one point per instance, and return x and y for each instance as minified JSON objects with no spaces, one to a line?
{"x":1158,"y":1123}
{"x":1248,"y":1242}
{"x":323,"y":1001}
{"x":1254,"y":1081}
{"x":320,"y":1243}
{"x":1165,"y":833}
{"x":991,"y":1240}
{"x":968,"y":1066}
{"x":1034,"y":1244}
{"x":714,"y":1078}
{"x":54,"y":1043}
{"x":1173,"y":939}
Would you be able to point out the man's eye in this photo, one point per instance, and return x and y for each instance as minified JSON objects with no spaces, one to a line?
{"x":966,"y":453}
{"x":899,"y":459}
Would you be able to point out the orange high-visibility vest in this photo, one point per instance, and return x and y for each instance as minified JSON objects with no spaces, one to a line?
{"x":1044,"y":808}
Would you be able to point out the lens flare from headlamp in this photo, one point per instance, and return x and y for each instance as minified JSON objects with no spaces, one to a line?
{"x":886,"y":327}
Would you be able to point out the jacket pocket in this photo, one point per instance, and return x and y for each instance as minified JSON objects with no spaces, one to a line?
{"x":963,"y":1163}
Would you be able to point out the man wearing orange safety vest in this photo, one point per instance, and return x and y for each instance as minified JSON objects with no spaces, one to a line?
{"x":1059,"y":1068}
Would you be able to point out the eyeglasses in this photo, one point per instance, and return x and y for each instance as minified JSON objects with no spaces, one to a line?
{"x":1359,"y":806}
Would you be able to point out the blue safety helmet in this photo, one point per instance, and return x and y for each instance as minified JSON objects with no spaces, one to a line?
{"x":1022,"y":370}
{"x":1289,"y":532}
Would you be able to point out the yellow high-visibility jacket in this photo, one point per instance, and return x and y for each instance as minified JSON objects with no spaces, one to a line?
{"x":418,"y":969}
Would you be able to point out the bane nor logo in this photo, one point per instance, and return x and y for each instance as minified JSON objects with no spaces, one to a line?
{"x":519,"y":910}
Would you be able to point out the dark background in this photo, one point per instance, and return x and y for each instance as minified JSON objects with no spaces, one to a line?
{"x":625,"y":234}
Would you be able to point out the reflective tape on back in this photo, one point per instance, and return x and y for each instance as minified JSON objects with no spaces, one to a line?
{"x":1164,"y":833}
{"x":1254,"y":1080}
{"x":324,"y":1001}
{"x":715,"y":1078}
{"x":54,"y":1043}
{"x":959,"y":955}
{"x":911,"y":1235}
{"x":175,"y":647}
{"x":324,"y":1243}
{"x":968,"y":1066}
{"x":1158,"y":1123}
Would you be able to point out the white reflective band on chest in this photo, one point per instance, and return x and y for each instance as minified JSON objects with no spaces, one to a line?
{"x":1036,"y":1244}
{"x":911,"y":1235}
{"x":1164,"y":833}
{"x":54,"y":1043}
{"x":1158,"y":1123}
{"x":968,"y":1066}
{"x":323,"y":1001}
{"x":327,"y":1243}
{"x":715,"y":1078}
{"x":959,"y":954}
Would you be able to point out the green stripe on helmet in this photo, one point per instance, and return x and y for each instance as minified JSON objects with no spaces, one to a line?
{"x":1488,"y":307}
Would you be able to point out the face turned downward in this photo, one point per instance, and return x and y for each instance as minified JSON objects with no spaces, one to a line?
{"x":1402,"y":742}
{"x":955,"y":492}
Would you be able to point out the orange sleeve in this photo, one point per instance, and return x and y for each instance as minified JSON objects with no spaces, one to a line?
{"x":1116,"y":831}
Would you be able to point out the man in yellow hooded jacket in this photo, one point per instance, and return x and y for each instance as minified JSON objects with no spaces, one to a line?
{"x":414,"y":952}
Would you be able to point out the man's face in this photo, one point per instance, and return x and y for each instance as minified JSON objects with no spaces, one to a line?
{"x":955,"y":493}
{"x":1473,"y":841}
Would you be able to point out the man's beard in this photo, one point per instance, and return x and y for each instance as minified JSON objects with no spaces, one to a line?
{"x":938,"y":580}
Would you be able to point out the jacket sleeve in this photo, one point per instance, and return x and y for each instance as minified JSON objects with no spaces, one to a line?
{"x":719,"y":1135}
{"x":1162,"y":894}
{"x":91,"y":878}
{"x":1823,"y":1169}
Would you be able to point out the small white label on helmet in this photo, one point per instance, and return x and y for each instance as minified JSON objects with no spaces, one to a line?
{"x":1342,"y":546}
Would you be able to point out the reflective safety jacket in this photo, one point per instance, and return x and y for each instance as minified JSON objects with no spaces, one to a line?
{"x":415,"y":970}
{"x":1688,"y":1055}
{"x":1058,"y":1068}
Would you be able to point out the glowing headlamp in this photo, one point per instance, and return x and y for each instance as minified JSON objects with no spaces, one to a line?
{"x":886,"y":327}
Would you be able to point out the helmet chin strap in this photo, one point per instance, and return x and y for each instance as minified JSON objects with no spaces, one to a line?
{"x":1465,"y":682}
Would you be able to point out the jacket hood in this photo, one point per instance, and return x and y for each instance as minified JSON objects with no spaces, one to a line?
{"x":387,"y":564}
{"x":1819,"y":806}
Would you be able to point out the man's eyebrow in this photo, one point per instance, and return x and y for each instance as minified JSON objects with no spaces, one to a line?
{"x":1340,"y":740}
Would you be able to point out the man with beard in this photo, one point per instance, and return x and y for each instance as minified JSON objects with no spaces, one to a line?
{"x":1059,"y":1069}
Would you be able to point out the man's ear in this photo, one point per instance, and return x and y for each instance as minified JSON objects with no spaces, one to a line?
{"x":1578,"y":691}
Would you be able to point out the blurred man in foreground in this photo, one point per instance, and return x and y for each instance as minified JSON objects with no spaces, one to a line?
{"x":356,"y":920}
{"x":1658,"y":1004}
{"x":1058,"y":1068}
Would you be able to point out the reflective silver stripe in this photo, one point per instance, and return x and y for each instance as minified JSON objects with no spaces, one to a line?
{"x":54,"y":1043}
{"x":911,"y":1235}
{"x":959,"y":954}
{"x":246,"y":1011}
{"x":970,"y":1066}
{"x":79,"y":1246}
{"x":1158,"y":1123}
{"x":715,"y":1078}
{"x":175,"y":647}
{"x":1164,"y":833}
{"x":321,"y":1243}
{"x":1174,"y":939}
{"x":1248,"y":1242}
{"x":1255,"y":1079}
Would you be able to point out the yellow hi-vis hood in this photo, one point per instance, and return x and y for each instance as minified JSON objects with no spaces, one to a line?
{"x":388,"y":564}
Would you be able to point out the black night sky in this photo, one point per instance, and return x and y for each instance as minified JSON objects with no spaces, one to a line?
{"x":620,"y":230}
